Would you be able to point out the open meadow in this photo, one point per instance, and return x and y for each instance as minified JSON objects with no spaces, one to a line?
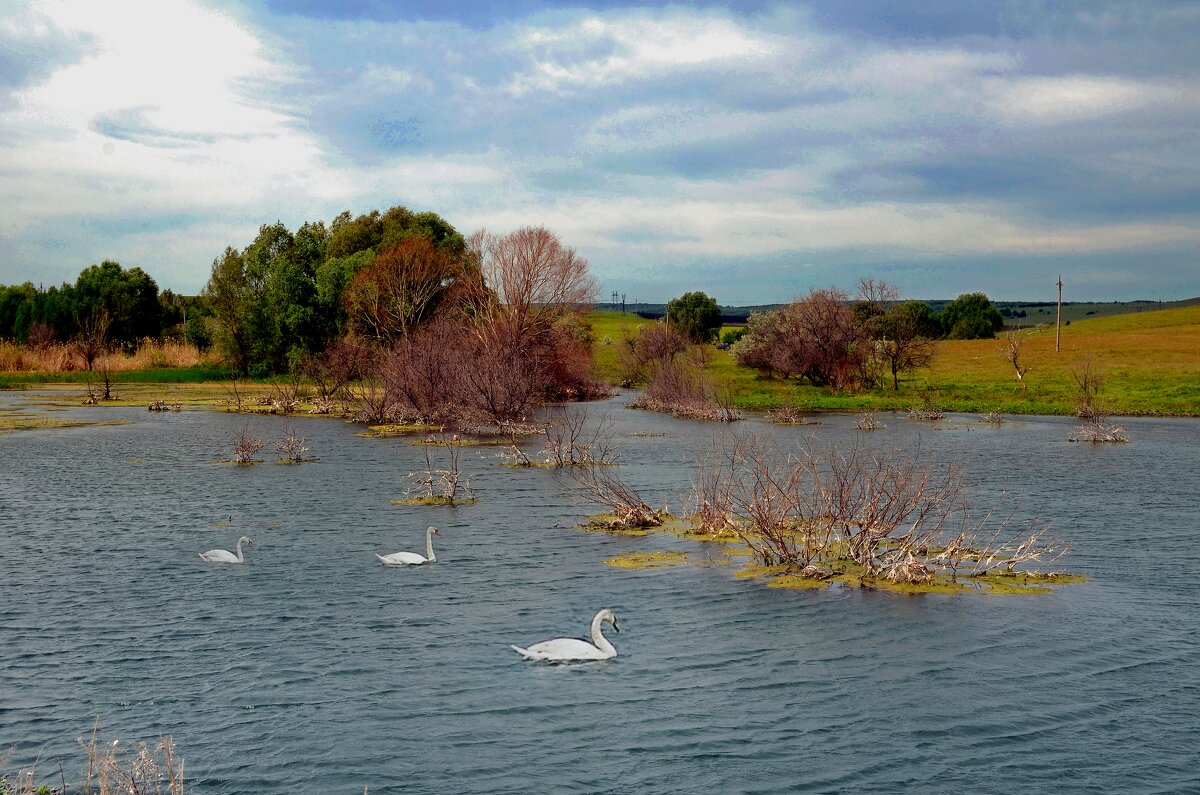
{"x":1149,"y":361}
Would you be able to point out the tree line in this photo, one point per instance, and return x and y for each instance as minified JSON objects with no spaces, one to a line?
{"x":128,"y":301}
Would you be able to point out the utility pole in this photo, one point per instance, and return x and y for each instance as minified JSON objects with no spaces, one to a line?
{"x":1058,"y":324}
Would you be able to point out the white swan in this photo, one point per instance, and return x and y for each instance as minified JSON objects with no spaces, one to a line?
{"x":412,"y":558}
{"x":568,"y":649}
{"x":225,"y":556}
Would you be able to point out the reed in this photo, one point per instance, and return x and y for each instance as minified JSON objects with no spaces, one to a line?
{"x":146,"y":770}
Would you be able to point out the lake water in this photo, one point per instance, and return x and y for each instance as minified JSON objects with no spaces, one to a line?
{"x":312,"y":669}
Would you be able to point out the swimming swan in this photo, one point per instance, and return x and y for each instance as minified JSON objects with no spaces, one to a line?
{"x":412,"y":558}
{"x":225,"y":556}
{"x":568,"y":649}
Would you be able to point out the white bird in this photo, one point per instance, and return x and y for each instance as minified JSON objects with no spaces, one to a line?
{"x":570,"y":649}
{"x":412,"y":558}
{"x":225,"y":556}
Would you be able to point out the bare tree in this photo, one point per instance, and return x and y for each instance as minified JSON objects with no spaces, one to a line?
{"x":815,"y":337}
{"x":246,"y":445}
{"x":341,"y":362}
{"x":426,"y":369}
{"x":1090,"y":380}
{"x":902,"y":343}
{"x":92,"y":341}
{"x":603,"y":485}
{"x":292,"y":447}
{"x":888,"y":514}
{"x":536,"y":277}
{"x":446,"y":485}
{"x":1012,"y":350}
{"x":572,"y":440}
{"x":651,"y":344}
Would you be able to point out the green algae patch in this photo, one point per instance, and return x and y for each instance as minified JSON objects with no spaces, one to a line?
{"x":796,"y":582}
{"x":296,"y":460}
{"x":685,"y":528}
{"x":938,"y":585}
{"x":401,"y":429}
{"x":757,"y":571}
{"x":461,"y":441}
{"x":26,"y":422}
{"x":435,"y":500}
{"x":648,"y":560}
{"x":1024,"y":582}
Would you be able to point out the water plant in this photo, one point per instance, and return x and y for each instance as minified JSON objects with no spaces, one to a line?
{"x":858,"y":515}
{"x":246,"y":445}
{"x":436,"y":485}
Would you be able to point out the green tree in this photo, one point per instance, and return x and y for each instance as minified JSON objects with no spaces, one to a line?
{"x":128,"y":297}
{"x":970,"y":316}
{"x":696,"y":315}
{"x":902,"y":338}
{"x":229,"y":296}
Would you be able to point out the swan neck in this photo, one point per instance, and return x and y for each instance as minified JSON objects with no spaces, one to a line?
{"x":599,"y":640}
{"x":429,"y":546}
{"x":240,"y":557}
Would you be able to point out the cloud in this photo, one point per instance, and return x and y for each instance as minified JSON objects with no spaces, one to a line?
{"x":1075,"y":98}
{"x":595,"y":52}
{"x":712,"y":139}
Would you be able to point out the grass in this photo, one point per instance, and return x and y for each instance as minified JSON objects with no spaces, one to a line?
{"x":1150,"y":362}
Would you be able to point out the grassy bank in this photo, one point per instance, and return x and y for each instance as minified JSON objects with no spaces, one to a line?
{"x":1150,"y":362}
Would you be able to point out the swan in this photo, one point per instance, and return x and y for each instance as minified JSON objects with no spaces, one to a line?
{"x":568,"y":649}
{"x":412,"y":558}
{"x":225,"y":556}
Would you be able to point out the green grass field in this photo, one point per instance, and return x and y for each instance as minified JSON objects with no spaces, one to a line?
{"x":1150,"y":362}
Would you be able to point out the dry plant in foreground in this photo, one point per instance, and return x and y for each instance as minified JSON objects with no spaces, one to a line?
{"x":1097,"y":430}
{"x":149,"y":770}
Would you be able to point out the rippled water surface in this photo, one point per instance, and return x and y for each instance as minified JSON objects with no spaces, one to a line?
{"x":312,"y":669}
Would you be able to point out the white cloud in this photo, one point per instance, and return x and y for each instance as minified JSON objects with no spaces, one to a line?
{"x":1073,"y":98}
{"x":165,"y":112}
{"x":599,"y":51}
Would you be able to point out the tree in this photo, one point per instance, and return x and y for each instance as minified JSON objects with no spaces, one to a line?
{"x":696,"y":315}
{"x":535,"y":278}
{"x":403,"y":287}
{"x":230,"y":295}
{"x":1012,"y":350}
{"x":93,"y":339}
{"x":971,"y":316}
{"x":902,"y":341}
{"x":901,"y":332}
{"x":128,"y":297}
{"x":815,"y":337}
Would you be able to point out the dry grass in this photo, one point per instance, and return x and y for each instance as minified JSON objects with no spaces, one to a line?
{"x":143,"y":770}
{"x":151,"y":354}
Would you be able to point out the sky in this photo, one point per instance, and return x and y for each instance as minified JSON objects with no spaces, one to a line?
{"x":753,"y":150}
